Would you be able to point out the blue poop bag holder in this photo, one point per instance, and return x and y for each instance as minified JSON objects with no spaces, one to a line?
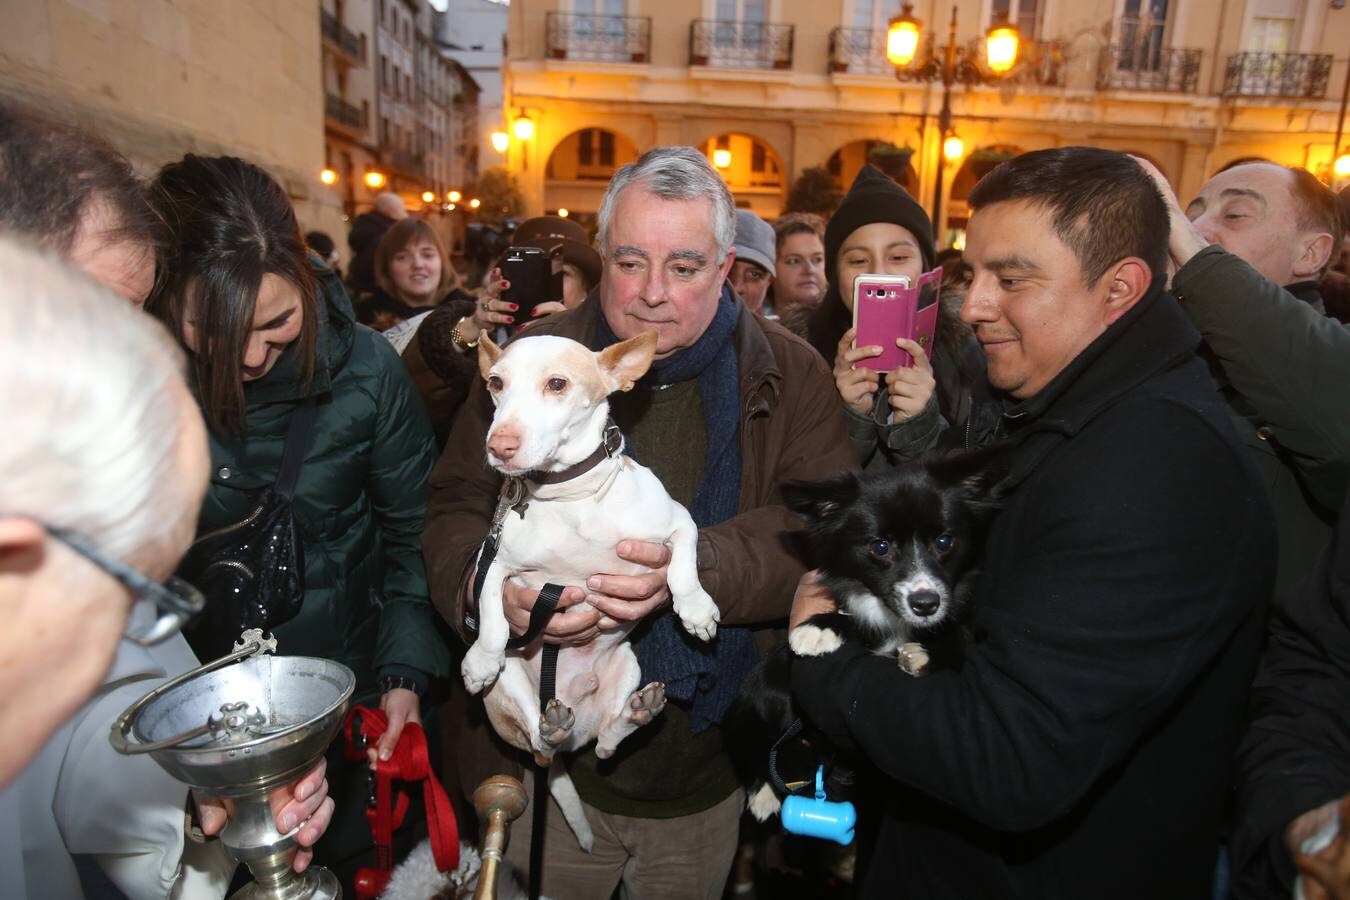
{"x":817,"y":817}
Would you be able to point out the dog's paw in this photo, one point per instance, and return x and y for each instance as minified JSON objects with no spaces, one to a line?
{"x":913,"y":658}
{"x":699,"y":615}
{"x":647,"y":703}
{"x":555,"y":724}
{"x":480,"y":668}
{"x":763,"y":803}
{"x":810,"y":640}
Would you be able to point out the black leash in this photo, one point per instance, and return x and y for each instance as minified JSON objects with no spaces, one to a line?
{"x":548,"y":677}
{"x":792,"y":731}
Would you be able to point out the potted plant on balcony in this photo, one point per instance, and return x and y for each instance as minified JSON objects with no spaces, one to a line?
{"x":891,"y":159}
{"x":814,"y":191}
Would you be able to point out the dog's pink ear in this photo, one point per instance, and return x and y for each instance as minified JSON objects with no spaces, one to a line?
{"x":624,"y":363}
{"x":488,"y":354}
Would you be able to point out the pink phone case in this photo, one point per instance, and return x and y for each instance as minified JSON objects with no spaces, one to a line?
{"x":886,"y":307}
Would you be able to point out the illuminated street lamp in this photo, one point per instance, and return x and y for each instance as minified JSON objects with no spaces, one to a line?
{"x":453,"y":196}
{"x":562,"y":212}
{"x":475,"y":203}
{"x":375,"y":179}
{"x":953,"y":148}
{"x":1341,"y":167}
{"x":1002,"y":46}
{"x":501,"y":141}
{"x":428,"y":197}
{"x":328,"y":177}
{"x":523,"y":129}
{"x":722,"y":158}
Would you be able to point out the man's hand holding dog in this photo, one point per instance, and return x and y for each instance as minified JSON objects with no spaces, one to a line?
{"x":811,"y":599}
{"x":607,"y":599}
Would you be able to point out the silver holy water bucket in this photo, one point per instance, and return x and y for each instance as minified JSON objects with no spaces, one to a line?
{"x":240,"y":727}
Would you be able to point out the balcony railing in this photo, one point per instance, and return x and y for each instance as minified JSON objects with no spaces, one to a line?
{"x":344,"y":113}
{"x":862,"y":51}
{"x":407,"y":161}
{"x":341,"y":37}
{"x":742,"y":45}
{"x":625,"y":39}
{"x":1144,"y":66}
{"x":1277,"y":75}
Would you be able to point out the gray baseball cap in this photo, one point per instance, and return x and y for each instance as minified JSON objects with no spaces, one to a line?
{"x":754,"y":239}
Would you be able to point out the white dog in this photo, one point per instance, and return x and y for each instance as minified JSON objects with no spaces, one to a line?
{"x":581,"y":497}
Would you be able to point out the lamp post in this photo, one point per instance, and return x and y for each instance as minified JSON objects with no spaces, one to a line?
{"x":1002,"y":45}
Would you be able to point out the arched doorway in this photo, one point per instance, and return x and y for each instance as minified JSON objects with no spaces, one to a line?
{"x":849,"y":159}
{"x":980,"y":163}
{"x":752,"y":170}
{"x":579,"y":169}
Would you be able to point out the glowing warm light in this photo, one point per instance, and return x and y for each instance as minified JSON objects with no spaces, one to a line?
{"x":501,"y":141}
{"x":428,"y":197}
{"x":722,"y":158}
{"x":1001,"y":46}
{"x":449,"y":207}
{"x":328,"y":177}
{"x":953,"y":148}
{"x":453,"y":196}
{"x":375,"y":180}
{"x":523,"y":129}
{"x":1341,"y":167}
{"x":960,"y":242}
{"x":902,"y":38}
{"x":475,"y":203}
{"x":562,"y":212}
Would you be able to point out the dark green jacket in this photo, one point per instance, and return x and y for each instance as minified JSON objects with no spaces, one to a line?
{"x":1284,"y":368}
{"x":360,"y":501}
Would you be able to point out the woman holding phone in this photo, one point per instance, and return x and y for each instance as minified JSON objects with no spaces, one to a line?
{"x":879,"y":229}
{"x":268,"y":330}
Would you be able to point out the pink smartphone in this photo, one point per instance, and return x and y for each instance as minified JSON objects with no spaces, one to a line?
{"x":886,"y":307}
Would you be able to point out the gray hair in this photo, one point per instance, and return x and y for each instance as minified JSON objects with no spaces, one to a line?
{"x":674,"y":173}
{"x":92,"y":397}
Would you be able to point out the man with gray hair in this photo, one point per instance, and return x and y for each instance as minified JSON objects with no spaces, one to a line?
{"x":733,"y":406}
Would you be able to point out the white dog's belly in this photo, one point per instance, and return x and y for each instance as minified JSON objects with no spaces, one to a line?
{"x":581,"y":671}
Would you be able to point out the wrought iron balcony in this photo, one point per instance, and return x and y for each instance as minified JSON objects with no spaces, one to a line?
{"x":862,"y":51}
{"x":344,"y":113}
{"x":341,"y":37}
{"x":742,"y":45}
{"x":407,"y":161}
{"x":1144,"y":66}
{"x":626,"y":39}
{"x":1277,"y":75}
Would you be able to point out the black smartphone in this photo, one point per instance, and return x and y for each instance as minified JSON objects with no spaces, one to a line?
{"x":533,"y":281}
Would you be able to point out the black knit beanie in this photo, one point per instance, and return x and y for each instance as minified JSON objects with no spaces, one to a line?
{"x":874,"y":197}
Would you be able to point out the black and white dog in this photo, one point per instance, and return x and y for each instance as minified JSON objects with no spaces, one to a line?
{"x":898,"y":550}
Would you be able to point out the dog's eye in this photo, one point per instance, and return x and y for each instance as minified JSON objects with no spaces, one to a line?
{"x":494,"y":383}
{"x":880,"y":549}
{"x":556,"y":385}
{"x":944,"y":543}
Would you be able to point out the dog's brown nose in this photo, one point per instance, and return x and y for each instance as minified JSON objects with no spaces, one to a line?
{"x":504,"y":442}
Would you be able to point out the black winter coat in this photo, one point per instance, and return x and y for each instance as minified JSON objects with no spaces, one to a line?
{"x":1296,"y":756}
{"x":1085,"y":748}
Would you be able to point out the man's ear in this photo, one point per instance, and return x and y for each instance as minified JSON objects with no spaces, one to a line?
{"x":19,"y":538}
{"x":1126,"y":284}
{"x":488,"y":354}
{"x":726,"y":265}
{"x":624,"y":363}
{"x":1313,"y":257}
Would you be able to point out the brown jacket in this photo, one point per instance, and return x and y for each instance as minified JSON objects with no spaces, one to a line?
{"x":790,"y":429}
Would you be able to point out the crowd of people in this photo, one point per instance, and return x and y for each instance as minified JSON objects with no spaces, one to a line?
{"x":1151,"y":702}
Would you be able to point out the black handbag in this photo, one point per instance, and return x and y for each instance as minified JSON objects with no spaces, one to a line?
{"x":252,"y":573}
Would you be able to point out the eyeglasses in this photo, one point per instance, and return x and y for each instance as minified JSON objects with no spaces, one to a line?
{"x":175,"y":600}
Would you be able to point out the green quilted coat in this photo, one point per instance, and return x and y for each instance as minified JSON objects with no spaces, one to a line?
{"x":360,"y":501}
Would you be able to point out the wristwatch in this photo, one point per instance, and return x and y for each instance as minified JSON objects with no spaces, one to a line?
{"x":457,"y":337}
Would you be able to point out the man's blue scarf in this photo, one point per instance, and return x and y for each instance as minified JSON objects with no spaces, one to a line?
{"x":706,"y":675}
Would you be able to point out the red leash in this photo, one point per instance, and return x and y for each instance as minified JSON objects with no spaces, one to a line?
{"x":386,"y":807}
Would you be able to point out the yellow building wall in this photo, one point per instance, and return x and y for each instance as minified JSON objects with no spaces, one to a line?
{"x":160,"y":78}
{"x":808,"y":112}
